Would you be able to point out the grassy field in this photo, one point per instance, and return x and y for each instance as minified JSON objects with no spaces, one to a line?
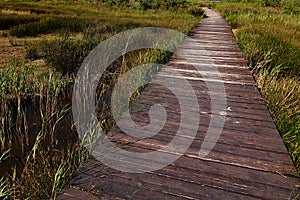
{"x":268,"y":32}
{"x":42,"y":46}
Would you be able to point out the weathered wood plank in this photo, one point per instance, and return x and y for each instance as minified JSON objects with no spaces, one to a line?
{"x":193,"y":178}
{"x":266,"y":160}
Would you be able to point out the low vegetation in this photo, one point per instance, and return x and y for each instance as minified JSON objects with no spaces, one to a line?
{"x":268,"y":32}
{"x":39,"y":149}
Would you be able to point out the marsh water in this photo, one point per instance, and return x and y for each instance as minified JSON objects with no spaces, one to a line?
{"x":22,"y":134}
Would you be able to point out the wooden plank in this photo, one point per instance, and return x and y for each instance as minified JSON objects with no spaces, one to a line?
{"x":231,"y":96}
{"x":194,"y":176}
{"x":174,"y":187}
{"x":255,"y":158}
{"x":74,"y":193}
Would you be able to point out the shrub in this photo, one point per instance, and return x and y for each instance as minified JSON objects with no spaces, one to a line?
{"x":65,"y":55}
{"x":291,"y":6}
{"x":46,"y":26}
{"x":8,"y":21}
{"x":270,"y":3}
{"x":31,"y":52}
{"x":144,"y":4}
{"x":196,"y":11}
{"x":155,"y":4}
{"x":115,"y":2}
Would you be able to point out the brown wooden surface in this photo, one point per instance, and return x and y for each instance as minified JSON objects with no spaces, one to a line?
{"x":249,"y":160}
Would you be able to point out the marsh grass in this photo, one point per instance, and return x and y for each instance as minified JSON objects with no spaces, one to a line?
{"x":283,"y":100}
{"x":93,"y":22}
{"x":37,"y":160}
{"x":270,"y":39}
{"x":36,"y":168}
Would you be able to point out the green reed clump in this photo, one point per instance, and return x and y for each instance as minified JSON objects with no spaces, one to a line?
{"x":13,"y":81}
{"x":48,"y":165}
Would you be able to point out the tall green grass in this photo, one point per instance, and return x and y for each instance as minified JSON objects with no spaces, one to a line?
{"x":270,"y":39}
{"x":39,"y":161}
{"x":35,"y":162}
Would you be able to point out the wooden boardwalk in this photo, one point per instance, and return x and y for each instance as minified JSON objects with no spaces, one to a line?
{"x":249,"y":161}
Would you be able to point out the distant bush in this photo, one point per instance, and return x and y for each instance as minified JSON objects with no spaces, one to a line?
{"x":46,"y":26}
{"x":155,"y":4}
{"x":8,"y":21}
{"x":291,"y":6}
{"x":270,"y":3}
{"x":115,"y":2}
{"x":31,"y":52}
{"x":196,"y":11}
{"x":65,"y":55}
